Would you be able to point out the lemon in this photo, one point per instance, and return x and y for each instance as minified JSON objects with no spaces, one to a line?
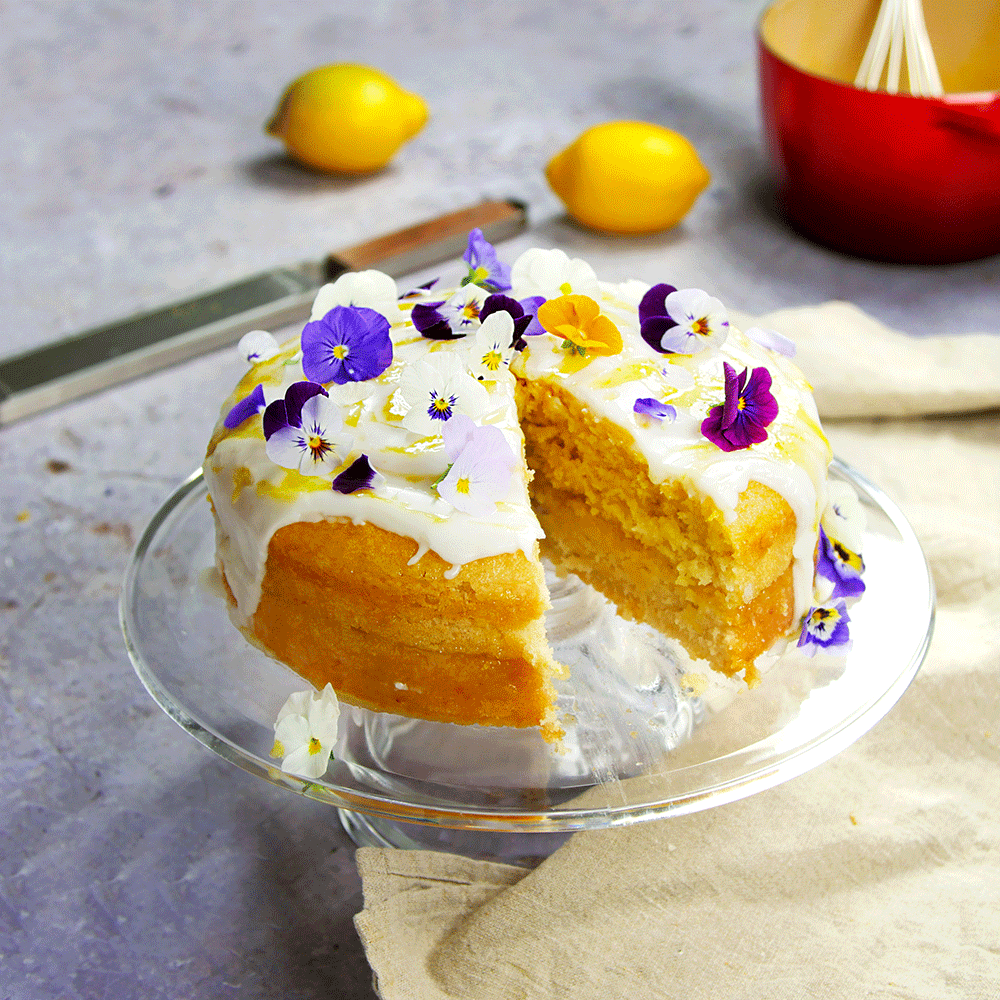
{"x":346,"y":118}
{"x":628,"y":177}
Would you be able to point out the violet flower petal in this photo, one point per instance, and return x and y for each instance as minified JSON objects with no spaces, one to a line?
{"x":485,"y":268}
{"x":840,"y":566}
{"x":654,"y":409}
{"x":359,"y":475}
{"x":432,"y":324}
{"x":530,"y":306}
{"x":247,"y":407}
{"x":772,"y":340}
{"x":653,"y":303}
{"x":731,"y":405}
{"x":349,"y":344}
{"x":275,"y":417}
{"x":296,"y":396}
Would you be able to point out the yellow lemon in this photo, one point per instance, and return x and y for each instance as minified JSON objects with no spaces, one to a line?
{"x":628,"y":177}
{"x":346,"y":118}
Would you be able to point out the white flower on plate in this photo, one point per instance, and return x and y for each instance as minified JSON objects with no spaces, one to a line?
{"x":461,"y":310}
{"x":437,"y":388}
{"x":371,"y":289}
{"x":316,"y":446}
{"x":844,"y":518}
{"x":551,"y":273}
{"x":257,"y":346}
{"x":482,"y":465}
{"x":305,"y":732}
{"x":492,"y":350}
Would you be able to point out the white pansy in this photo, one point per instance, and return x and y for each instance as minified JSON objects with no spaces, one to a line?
{"x":772,"y":340}
{"x":702,"y":322}
{"x":844,"y":518}
{"x":461,"y":309}
{"x":371,"y":289}
{"x":491,"y":352}
{"x":551,"y":273}
{"x":305,"y":732}
{"x":257,"y":346}
{"x":437,"y":388}
{"x":482,"y":465}
{"x":316,"y":447}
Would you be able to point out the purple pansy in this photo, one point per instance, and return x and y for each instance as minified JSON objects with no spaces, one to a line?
{"x":684,"y":321}
{"x":450,"y":318}
{"x":485,"y":268}
{"x":359,"y":475}
{"x":349,"y":344}
{"x":841,"y":566}
{"x":303,"y":430}
{"x":522,"y":320}
{"x":247,"y":407}
{"x":747,"y":411}
{"x":655,"y":410}
{"x":825,"y":628}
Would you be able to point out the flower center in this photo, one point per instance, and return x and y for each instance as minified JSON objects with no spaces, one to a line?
{"x":318,"y":446}
{"x":462,"y":486}
{"x":701,"y":326}
{"x":340,"y":351}
{"x":314,"y":746}
{"x":492,"y":360}
{"x":470,"y":311}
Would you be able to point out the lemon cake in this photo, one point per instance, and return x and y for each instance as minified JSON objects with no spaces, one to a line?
{"x":385,"y":485}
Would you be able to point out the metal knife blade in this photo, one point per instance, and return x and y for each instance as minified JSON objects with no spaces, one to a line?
{"x":104,"y":356}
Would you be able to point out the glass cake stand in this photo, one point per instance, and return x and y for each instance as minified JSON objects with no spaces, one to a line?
{"x":649,"y":733}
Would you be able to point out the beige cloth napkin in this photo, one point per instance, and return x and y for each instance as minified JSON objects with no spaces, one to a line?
{"x":875,"y":875}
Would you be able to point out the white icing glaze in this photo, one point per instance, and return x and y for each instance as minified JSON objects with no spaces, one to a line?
{"x":253,"y":497}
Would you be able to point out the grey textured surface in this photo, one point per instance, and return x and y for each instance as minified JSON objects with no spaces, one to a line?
{"x":132,"y":863}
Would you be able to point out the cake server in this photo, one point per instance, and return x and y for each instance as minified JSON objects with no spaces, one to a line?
{"x":104,"y":356}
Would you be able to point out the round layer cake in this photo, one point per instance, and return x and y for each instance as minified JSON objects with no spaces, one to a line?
{"x":385,"y":484}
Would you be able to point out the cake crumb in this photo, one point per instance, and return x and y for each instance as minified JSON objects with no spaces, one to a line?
{"x":853,"y":819}
{"x":23,"y":516}
{"x":400,"y":686}
{"x":694,"y":684}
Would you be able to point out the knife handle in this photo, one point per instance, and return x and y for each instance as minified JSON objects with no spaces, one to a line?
{"x":434,"y":240}
{"x":125,"y":349}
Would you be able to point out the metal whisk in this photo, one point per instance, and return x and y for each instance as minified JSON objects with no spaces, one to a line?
{"x":900,"y":27}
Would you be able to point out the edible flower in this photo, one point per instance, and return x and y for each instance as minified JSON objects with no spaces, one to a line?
{"x":747,"y":411}
{"x":257,"y":346}
{"x":349,"y":344}
{"x":518,"y":312}
{"x":482,"y":465}
{"x":844,"y":517}
{"x":825,"y":628}
{"x":578,"y":320}
{"x":494,"y":345}
{"x":653,"y":409}
{"x":550,"y":273}
{"x":247,"y":407}
{"x":305,"y":732}
{"x":841,"y":566}
{"x":303,"y":430}
{"x":359,"y":475}
{"x":370,"y":289}
{"x":451,"y":318}
{"x":772,"y":340}
{"x":485,"y":268}
{"x":416,"y":293}
{"x":682,"y":322}
{"x":435,"y":389}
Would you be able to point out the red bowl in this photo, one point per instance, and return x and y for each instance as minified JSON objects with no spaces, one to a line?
{"x":886,"y":176}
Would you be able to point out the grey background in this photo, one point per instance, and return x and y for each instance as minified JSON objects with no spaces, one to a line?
{"x":133,"y":863}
